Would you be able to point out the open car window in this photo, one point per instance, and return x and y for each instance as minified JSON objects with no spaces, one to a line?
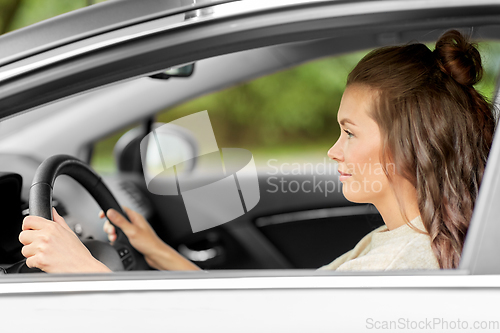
{"x":288,"y":121}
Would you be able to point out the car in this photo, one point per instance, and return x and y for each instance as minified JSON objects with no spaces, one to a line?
{"x":68,"y":83}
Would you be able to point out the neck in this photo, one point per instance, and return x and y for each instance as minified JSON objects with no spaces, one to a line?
{"x":398,"y":212}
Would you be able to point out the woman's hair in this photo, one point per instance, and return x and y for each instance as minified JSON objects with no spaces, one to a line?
{"x":436,"y":128}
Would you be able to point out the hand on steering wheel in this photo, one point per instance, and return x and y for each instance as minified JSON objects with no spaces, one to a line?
{"x":158,"y":254}
{"x":118,"y":256}
{"x":54,"y":248}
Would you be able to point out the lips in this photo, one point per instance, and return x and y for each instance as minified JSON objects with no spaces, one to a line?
{"x":344,"y":176}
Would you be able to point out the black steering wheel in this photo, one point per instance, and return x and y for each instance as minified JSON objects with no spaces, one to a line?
{"x":117,"y":256}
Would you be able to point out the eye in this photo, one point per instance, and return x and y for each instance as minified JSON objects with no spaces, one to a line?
{"x":349,"y":134}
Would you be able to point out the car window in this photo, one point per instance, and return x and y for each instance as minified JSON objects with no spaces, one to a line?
{"x":287,"y":120}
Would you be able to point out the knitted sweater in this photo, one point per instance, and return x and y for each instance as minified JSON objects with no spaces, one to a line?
{"x":383,"y":249}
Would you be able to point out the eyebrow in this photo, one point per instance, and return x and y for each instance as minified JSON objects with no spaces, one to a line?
{"x":346,"y":120}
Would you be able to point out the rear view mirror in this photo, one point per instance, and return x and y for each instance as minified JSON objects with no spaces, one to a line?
{"x":178,"y":71}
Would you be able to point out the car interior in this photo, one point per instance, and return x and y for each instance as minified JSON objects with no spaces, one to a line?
{"x":287,"y":229}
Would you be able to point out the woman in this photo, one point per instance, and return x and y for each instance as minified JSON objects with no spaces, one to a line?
{"x":415,"y":115}
{"x":415,"y":140}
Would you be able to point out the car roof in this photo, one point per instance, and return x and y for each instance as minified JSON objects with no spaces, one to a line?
{"x":87,"y":22}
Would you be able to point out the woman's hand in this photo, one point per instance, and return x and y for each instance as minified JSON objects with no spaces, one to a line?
{"x":145,"y":240}
{"x":54,"y":248}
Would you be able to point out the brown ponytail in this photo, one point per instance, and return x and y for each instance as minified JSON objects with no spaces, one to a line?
{"x":436,"y":128}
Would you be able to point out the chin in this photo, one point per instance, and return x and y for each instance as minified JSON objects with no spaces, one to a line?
{"x":357,"y":197}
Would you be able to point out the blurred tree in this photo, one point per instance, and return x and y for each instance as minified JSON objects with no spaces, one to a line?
{"x":32,"y":11}
{"x":8,"y":10}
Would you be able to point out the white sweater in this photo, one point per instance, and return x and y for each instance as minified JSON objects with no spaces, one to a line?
{"x":383,"y":249}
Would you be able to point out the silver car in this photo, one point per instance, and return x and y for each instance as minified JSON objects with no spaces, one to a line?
{"x":68,"y":82}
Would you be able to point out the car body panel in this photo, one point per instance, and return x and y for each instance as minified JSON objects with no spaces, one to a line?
{"x":268,"y":303}
{"x":91,"y":21}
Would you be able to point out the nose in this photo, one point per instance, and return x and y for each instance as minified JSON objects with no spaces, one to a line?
{"x":335,"y":152}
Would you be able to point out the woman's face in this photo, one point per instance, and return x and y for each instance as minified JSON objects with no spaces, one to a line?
{"x":357,"y":150}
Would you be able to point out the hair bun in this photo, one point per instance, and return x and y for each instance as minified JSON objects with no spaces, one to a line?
{"x":459,"y":58}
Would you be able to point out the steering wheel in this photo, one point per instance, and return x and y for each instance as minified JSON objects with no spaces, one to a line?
{"x":117,"y":256}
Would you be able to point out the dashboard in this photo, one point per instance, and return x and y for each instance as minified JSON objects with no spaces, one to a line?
{"x":11,"y":207}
